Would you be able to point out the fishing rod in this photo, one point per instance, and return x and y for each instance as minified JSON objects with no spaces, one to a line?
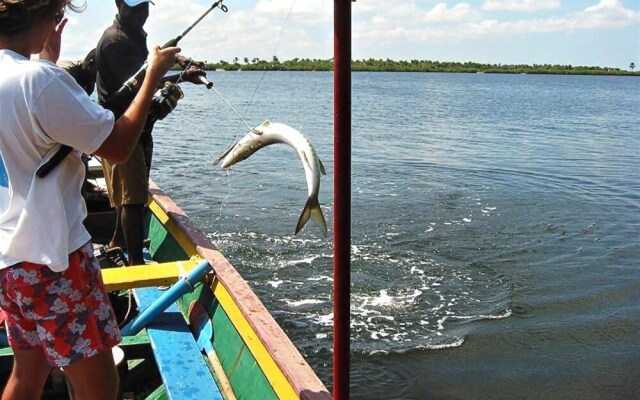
{"x":132,"y":84}
{"x":208,"y":84}
{"x":129,"y":87}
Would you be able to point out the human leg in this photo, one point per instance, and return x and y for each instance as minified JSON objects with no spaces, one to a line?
{"x":69,"y":319}
{"x":118,"y":235}
{"x":132,"y":220}
{"x":28,"y":376}
{"x":89,"y":367}
{"x":128,"y":185}
{"x":30,"y":363}
{"x":56,"y":319}
{"x":94,"y":378}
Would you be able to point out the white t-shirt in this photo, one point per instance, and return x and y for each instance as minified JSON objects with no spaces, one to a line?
{"x":41,"y":108}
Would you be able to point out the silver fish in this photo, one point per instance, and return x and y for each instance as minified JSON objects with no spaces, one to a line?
{"x":272,"y":132}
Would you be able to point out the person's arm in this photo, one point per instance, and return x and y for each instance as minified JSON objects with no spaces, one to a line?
{"x":120,"y":143}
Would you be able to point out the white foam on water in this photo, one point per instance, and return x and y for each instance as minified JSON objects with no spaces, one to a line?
{"x":292,"y":263}
{"x":385,"y":317}
{"x":456,"y":343}
{"x":275,"y":284}
{"x":378,"y":335}
{"x":320,"y":278}
{"x":326,"y":320}
{"x":506,"y":314}
{"x":386,"y":300}
{"x":413,"y":305}
{"x":303,"y":302}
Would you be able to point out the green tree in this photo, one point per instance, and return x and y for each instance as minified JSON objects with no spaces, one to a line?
{"x":632,"y":66}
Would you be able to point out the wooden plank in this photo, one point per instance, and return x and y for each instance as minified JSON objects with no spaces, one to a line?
{"x":146,"y":275}
{"x":184,"y":371}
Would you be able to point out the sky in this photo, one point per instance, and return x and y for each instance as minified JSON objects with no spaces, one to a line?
{"x":603,"y":33}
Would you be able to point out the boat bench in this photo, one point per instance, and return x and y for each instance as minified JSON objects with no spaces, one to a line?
{"x":185,"y":373}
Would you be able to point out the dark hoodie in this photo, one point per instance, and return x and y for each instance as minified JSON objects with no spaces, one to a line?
{"x":120,"y":53}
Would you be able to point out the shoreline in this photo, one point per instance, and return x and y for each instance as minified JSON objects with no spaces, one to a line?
{"x":372,"y":65}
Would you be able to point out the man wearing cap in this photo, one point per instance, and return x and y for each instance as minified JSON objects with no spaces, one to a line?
{"x":120,"y":53}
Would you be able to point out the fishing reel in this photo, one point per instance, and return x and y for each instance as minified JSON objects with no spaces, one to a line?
{"x":165,"y":100}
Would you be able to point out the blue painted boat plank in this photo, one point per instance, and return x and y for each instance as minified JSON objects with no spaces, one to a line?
{"x":184,"y":371}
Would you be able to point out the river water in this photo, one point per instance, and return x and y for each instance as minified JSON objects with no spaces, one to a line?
{"x":495,"y":230}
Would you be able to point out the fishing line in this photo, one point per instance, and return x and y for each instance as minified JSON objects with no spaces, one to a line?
{"x":233,"y":109}
{"x":242,"y":117}
{"x":275,"y":51}
{"x":219,"y":95}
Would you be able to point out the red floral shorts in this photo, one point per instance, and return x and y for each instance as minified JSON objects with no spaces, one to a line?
{"x":68,"y":313}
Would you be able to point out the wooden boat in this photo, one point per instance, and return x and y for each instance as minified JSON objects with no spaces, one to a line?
{"x":216,"y":341}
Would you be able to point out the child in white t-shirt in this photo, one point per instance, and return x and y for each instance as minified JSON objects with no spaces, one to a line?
{"x":46,"y":265}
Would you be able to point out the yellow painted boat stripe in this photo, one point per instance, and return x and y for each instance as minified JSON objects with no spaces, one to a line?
{"x":274,"y":375}
{"x":185,"y":243}
{"x":158,"y":212}
{"x":146,"y":275}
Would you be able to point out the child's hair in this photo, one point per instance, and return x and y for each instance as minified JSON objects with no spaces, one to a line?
{"x":16,"y":16}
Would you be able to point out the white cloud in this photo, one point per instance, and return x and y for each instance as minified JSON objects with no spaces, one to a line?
{"x":521,"y":5}
{"x":411,"y":11}
{"x":459,"y":12}
{"x":269,"y":28}
{"x":265,"y":28}
{"x":309,"y":9}
{"x":608,"y":14}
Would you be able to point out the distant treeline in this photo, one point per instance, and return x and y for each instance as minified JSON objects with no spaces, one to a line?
{"x":305,"y":64}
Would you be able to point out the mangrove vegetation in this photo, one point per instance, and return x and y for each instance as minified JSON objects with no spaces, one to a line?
{"x":305,"y":64}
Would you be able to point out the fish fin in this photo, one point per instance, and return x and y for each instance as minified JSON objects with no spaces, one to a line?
{"x":305,"y":160}
{"x":312,"y":209}
{"x":321,"y":167}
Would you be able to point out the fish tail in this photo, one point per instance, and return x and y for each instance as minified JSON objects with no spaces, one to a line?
{"x":312,"y":209}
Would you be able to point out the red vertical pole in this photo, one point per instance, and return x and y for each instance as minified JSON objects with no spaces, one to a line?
{"x":342,"y":197}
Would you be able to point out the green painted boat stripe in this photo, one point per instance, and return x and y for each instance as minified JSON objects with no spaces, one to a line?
{"x":164,"y":247}
{"x":140,"y":338}
{"x":159,"y":394}
{"x":238,"y":362}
